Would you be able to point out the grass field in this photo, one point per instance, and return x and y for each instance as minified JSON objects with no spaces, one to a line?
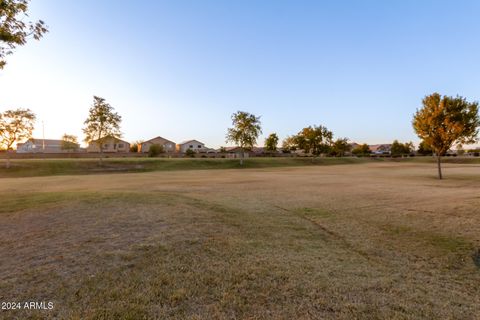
{"x":49,"y":167}
{"x":370,"y":240}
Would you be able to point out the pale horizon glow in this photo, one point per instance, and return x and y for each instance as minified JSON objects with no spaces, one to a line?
{"x":179,"y":69}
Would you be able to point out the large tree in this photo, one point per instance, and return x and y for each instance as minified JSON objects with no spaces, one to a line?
{"x":401,"y":149}
{"x":362,"y":150}
{"x":14,"y":30}
{"x":340,"y":147}
{"x":271,"y":142}
{"x":424,"y":149}
{"x":289,"y":144}
{"x":103,"y":123}
{"x":314,"y":140}
{"x":69,"y":143}
{"x":245,"y":131}
{"x":15,"y":126}
{"x":444,"y":121}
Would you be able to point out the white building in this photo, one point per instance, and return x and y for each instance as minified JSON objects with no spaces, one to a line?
{"x":194,"y":145}
{"x":33,"y":145}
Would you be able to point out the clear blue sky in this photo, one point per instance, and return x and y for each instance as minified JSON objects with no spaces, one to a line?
{"x":179,"y":69}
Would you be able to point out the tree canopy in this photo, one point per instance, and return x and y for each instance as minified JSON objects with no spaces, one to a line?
{"x":289,"y":144}
{"x":15,"y":126}
{"x":362,"y":150}
{"x":444,"y":121}
{"x":340,"y":147}
{"x":424,"y":149}
{"x":69,"y":142}
{"x":245,"y":131}
{"x":399,"y":149}
{"x":14,"y":30}
{"x":315,"y":140}
{"x":271,"y":142}
{"x":102,"y":123}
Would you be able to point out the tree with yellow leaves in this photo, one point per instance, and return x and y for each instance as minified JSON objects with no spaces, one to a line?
{"x":445,"y":121}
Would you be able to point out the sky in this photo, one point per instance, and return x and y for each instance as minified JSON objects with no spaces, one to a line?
{"x":179,"y":69}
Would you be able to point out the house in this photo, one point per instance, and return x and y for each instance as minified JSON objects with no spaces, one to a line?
{"x":236,"y":152}
{"x":110,"y":144}
{"x":353,"y":145}
{"x":381,"y":148}
{"x":168,"y":146}
{"x":194,"y":145}
{"x":33,"y":145}
{"x":255,"y":151}
{"x":233,"y":149}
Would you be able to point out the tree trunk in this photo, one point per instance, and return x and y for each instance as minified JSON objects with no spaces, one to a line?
{"x":7,"y":164}
{"x":100,"y":160}
{"x":439,"y":165}
{"x":243,"y":156}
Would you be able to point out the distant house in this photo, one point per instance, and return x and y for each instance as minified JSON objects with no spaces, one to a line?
{"x":236,"y":152}
{"x":33,"y":145}
{"x":194,"y":145}
{"x":168,"y":146}
{"x":381,"y":148}
{"x":109,"y":145}
{"x":353,"y":145}
{"x":256,"y":151}
{"x":233,"y":149}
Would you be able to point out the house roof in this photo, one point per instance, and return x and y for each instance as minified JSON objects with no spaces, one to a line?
{"x":380,"y":147}
{"x":188,"y":141}
{"x":117,"y":139}
{"x":47,"y":142}
{"x":353,"y":145}
{"x":162,"y":138}
{"x":254,"y":149}
{"x":231,"y":148}
{"x":44,"y":144}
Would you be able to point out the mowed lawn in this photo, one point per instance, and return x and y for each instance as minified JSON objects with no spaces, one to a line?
{"x":382,"y":240}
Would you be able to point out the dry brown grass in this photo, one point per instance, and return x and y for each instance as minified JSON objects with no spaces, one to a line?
{"x":369,"y":241}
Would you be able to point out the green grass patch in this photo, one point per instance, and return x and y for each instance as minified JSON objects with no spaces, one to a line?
{"x":314,"y":212}
{"x":448,"y":243}
{"x":49,"y":167}
{"x":441,"y":242}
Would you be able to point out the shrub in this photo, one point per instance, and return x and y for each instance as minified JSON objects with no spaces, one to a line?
{"x":155,"y":150}
{"x":190,"y":153}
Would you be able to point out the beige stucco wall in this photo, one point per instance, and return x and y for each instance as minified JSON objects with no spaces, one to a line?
{"x":196,"y":146}
{"x":110,"y":145}
{"x":167,"y":145}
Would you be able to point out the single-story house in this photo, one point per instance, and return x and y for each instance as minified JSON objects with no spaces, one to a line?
{"x":168,"y":146}
{"x":109,"y":145}
{"x":194,"y":145}
{"x":34,"y":145}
